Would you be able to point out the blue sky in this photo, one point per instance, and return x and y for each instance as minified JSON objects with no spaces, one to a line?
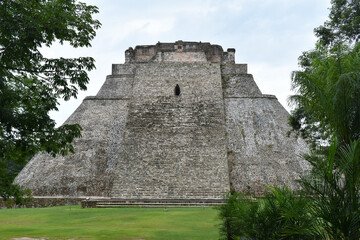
{"x":268,"y":35}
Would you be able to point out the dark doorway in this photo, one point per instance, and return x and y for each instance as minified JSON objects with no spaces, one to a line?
{"x":177,"y":90}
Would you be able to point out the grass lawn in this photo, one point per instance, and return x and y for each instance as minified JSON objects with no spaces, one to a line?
{"x":110,"y":223}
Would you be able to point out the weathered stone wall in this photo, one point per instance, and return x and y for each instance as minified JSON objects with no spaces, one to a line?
{"x":233,"y":69}
{"x":240,"y":85}
{"x":180,"y":52}
{"x":174,"y":146}
{"x":259,"y":151}
{"x":142,"y":141}
{"x":119,"y":84}
{"x":47,"y":202}
{"x":85,"y":173}
{"x":180,"y":56}
{"x":123,"y":69}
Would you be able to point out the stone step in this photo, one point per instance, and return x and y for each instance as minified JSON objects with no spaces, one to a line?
{"x":155,"y":204}
{"x":93,"y":203}
{"x":151,"y":205}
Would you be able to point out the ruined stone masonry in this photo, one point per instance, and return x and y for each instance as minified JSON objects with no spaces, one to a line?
{"x":176,"y":121}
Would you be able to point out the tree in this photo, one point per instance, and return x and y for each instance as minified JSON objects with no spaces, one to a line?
{"x":326,"y":102}
{"x":334,"y":188}
{"x":30,"y":83}
{"x":327,"y":107}
{"x":344,"y":23}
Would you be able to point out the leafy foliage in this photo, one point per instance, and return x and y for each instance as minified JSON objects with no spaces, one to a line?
{"x":334,"y":187}
{"x":30,"y":83}
{"x":327,"y":102}
{"x":280,"y":215}
{"x":11,"y":193}
{"x":237,"y":216}
{"x":327,"y":84}
{"x":327,"y":108}
{"x":344,"y":23}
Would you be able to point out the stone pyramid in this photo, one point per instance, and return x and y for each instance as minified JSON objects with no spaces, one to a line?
{"x":177,"y":121}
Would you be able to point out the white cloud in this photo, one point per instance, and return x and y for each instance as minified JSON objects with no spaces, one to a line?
{"x":140,"y":26}
{"x":235,"y":5}
{"x":197,"y":10}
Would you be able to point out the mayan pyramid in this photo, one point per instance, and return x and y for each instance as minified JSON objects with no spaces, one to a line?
{"x":176,"y":121}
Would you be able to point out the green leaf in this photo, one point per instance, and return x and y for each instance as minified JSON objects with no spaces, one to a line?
{"x":31,"y":84}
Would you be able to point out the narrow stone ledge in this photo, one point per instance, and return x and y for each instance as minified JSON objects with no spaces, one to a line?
{"x":121,"y":75}
{"x":253,"y":97}
{"x":99,"y":203}
{"x":105,"y":98}
{"x":224,"y":75}
{"x":269,"y":96}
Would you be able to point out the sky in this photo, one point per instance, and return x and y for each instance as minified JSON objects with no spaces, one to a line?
{"x":268,"y":35}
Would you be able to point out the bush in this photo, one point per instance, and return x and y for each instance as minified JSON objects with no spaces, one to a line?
{"x":279,"y":215}
{"x":334,"y":188}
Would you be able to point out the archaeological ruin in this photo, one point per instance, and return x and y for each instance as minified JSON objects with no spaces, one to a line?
{"x":177,"y":123}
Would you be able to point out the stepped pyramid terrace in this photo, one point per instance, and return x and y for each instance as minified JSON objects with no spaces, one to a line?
{"x":177,"y":123}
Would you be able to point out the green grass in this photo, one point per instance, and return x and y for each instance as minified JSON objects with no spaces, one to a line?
{"x":110,"y":223}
